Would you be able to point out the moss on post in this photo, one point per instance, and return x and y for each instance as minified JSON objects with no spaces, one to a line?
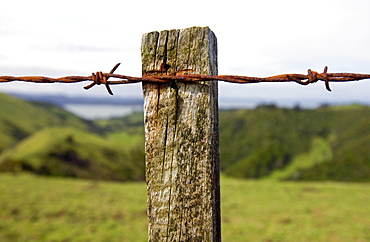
{"x":181,"y":136}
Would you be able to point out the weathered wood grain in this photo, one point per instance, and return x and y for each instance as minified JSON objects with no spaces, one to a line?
{"x":181,"y":137}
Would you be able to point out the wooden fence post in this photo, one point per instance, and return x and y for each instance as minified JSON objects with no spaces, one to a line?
{"x":181,"y":136}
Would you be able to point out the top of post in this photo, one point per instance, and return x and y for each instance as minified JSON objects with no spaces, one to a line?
{"x":179,"y":51}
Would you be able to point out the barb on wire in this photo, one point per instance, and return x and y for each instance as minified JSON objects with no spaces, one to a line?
{"x":102,"y":78}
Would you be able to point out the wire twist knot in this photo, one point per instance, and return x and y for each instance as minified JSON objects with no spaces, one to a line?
{"x":101,"y":78}
{"x":312,"y":77}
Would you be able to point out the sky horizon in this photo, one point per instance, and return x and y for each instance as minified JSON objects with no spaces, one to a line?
{"x":255,"y":38}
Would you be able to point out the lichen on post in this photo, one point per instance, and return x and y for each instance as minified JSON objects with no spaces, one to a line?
{"x":181,"y":136}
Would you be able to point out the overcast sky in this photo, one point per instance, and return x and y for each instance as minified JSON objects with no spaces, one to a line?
{"x":255,"y":38}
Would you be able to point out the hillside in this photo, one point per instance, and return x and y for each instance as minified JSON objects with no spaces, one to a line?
{"x":350,"y":145}
{"x":44,"y":139}
{"x":74,"y":153}
{"x":19,"y":118}
{"x":329,"y":143}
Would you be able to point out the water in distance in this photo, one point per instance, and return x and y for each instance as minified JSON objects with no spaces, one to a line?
{"x":101,"y":111}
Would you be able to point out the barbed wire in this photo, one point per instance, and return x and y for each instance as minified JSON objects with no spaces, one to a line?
{"x":102,"y":78}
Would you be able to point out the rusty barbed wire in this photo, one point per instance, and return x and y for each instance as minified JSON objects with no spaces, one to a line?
{"x":102,"y":78}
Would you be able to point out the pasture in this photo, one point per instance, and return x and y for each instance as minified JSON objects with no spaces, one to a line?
{"x":34,"y":208}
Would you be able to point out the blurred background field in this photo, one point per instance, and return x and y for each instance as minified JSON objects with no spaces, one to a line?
{"x":288,"y":174}
{"x":267,"y":142}
{"x":34,"y":208}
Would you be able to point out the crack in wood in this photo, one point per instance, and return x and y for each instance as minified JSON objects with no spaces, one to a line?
{"x":180,"y":137}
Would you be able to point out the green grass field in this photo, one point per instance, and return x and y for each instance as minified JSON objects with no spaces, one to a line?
{"x":59,"y":209}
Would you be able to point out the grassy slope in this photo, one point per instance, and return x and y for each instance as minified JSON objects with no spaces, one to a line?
{"x":281,"y":143}
{"x":319,"y":153}
{"x":349,"y":142}
{"x":70,"y":152}
{"x":19,"y":118}
{"x":39,"y":137}
{"x":266,"y":142}
{"x":255,"y":142}
{"x":59,"y":209}
{"x":128,"y":130}
{"x":296,"y":144}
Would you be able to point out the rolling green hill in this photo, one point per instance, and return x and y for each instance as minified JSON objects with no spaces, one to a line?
{"x":19,"y":118}
{"x":44,"y":139}
{"x":329,"y":143}
{"x":74,"y":153}
{"x":350,"y":145}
